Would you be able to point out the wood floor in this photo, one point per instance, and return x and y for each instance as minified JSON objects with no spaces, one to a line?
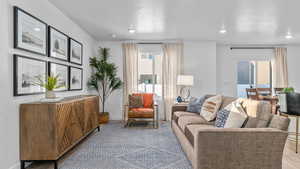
{"x":291,"y":160}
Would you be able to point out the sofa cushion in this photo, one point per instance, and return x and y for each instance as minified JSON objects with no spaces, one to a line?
{"x":195,"y":104}
{"x":259,"y":112}
{"x":183,"y":121}
{"x":147,"y":99}
{"x":211,"y":107}
{"x":178,"y":114}
{"x":191,"y":131}
{"x":279,"y":122}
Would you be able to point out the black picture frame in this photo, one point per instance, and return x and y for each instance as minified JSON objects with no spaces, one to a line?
{"x":50,"y":31}
{"x":17,"y":45}
{"x":71,"y":41}
{"x":16,"y":75}
{"x":70,"y":78}
{"x":68,"y":74}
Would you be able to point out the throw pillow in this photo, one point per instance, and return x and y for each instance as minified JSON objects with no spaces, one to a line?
{"x":210,"y":107}
{"x":232,"y":116}
{"x":136,"y":101}
{"x":195,"y":104}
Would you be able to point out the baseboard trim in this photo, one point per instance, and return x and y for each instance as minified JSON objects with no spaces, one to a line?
{"x":15,"y":166}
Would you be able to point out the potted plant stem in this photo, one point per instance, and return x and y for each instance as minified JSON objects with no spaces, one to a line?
{"x":104,"y":80}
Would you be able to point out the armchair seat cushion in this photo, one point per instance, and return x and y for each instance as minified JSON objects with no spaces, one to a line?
{"x":183,"y":121}
{"x":141,"y":113}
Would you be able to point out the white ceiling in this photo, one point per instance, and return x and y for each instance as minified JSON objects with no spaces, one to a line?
{"x":246,"y":21}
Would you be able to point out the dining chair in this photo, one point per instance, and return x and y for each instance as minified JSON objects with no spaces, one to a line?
{"x":264,"y":91}
{"x":252,"y":93}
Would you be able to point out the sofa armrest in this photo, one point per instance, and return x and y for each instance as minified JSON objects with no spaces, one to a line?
{"x":255,"y":148}
{"x":178,"y":107}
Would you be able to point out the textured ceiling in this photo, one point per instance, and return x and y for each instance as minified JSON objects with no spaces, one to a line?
{"x":246,"y":21}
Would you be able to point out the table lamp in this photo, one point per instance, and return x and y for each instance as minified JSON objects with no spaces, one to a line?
{"x":185,"y":81}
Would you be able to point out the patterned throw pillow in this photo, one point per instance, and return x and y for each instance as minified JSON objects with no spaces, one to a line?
{"x":221,"y":118}
{"x":195,"y":104}
{"x":135,"y":101}
{"x":211,"y":107}
{"x":232,"y":116}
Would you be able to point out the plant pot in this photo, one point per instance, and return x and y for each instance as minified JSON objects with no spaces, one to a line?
{"x":50,"y":95}
{"x":103,"y":118}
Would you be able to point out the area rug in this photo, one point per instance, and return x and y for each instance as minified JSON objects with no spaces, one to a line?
{"x":115,"y":147}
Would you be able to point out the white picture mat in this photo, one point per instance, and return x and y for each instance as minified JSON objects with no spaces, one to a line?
{"x":63,"y":43}
{"x":32,"y":68}
{"x":75,"y":78}
{"x":62,"y":70}
{"x":27,"y":25}
{"x":76,"y":48}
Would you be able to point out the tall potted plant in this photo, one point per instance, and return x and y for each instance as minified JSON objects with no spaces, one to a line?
{"x":104,"y":79}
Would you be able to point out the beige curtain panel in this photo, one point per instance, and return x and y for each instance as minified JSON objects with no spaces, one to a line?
{"x":130,"y":70}
{"x":279,"y":68}
{"x":172,"y":59}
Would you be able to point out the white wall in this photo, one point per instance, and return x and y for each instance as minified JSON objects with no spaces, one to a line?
{"x":9,"y":105}
{"x":199,"y":60}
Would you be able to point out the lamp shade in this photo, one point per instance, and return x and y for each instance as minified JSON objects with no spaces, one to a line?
{"x":185,"y":80}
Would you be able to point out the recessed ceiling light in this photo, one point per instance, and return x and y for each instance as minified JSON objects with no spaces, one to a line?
{"x":131,"y":29}
{"x":113,"y":35}
{"x":37,"y":29}
{"x":222,"y":31}
{"x":288,"y":36}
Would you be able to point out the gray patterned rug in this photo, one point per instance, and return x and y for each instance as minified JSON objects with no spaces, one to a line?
{"x":116,"y":147}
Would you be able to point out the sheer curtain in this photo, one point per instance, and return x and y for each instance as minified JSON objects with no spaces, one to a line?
{"x":279,"y":68}
{"x":171,"y":68}
{"x":130,"y":70}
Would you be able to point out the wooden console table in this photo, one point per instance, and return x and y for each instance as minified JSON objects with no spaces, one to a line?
{"x":49,"y":130}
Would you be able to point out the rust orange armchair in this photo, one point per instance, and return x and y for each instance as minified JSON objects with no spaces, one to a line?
{"x":148,"y":110}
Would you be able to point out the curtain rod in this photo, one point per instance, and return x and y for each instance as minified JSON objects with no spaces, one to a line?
{"x":150,"y":43}
{"x":252,"y":48}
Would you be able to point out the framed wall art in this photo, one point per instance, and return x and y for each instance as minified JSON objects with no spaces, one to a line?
{"x":58,"y":44}
{"x":27,"y":71}
{"x":75,"y":80}
{"x":76,"y":52}
{"x":30,"y":33}
{"x":62,"y":71}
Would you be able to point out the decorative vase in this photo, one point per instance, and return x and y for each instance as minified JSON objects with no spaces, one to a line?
{"x":103,"y":118}
{"x":50,"y":95}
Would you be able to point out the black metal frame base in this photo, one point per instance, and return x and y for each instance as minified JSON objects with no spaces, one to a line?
{"x":23,"y":162}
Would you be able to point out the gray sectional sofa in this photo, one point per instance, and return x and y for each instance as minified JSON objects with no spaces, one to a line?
{"x":259,"y":145}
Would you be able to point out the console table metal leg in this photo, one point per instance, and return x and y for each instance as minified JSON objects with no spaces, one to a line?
{"x":297,"y":132}
{"x":55,"y":165}
{"x":22,"y":164}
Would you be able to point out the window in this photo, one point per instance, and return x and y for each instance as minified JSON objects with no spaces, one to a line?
{"x":150,"y":70}
{"x":253,"y":74}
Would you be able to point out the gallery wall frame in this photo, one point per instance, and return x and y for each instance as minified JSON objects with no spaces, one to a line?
{"x":75,"y":51}
{"x":63,"y":71}
{"x":58,"y":44}
{"x":30,"y":32}
{"x":25,"y":73}
{"x":75,"y":78}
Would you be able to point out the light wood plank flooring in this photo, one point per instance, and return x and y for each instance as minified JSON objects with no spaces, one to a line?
{"x":290,"y":160}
